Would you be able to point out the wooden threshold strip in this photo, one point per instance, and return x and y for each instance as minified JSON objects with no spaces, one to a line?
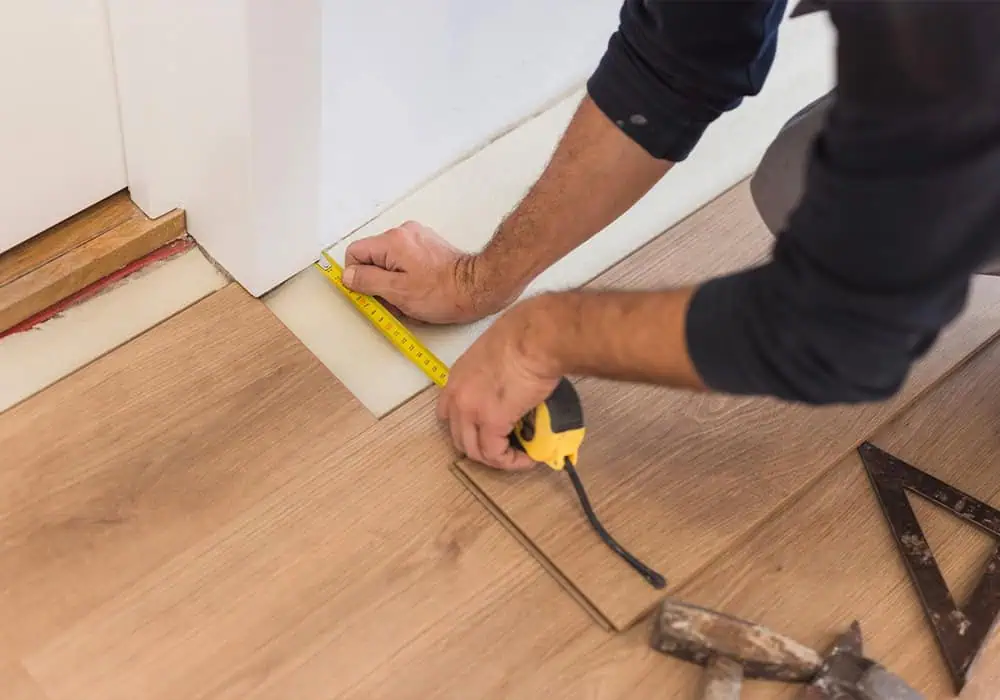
{"x":78,"y":252}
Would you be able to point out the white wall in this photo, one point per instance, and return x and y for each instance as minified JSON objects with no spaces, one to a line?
{"x":60,"y":138}
{"x":411,"y":86}
{"x":281,"y":127}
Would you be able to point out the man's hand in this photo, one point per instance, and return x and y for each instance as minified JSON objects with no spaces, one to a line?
{"x":490,"y":388}
{"x":516,"y":364}
{"x":595,"y":174}
{"x":418,"y":272}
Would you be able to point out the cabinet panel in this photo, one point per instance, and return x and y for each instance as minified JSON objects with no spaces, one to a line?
{"x":60,"y":136}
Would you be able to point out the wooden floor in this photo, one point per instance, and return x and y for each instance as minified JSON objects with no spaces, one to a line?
{"x":207,"y":514}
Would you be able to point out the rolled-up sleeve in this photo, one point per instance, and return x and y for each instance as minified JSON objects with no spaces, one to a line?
{"x":673,"y":67}
{"x":901,"y":206}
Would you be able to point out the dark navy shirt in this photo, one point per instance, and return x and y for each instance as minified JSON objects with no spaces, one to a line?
{"x":902,"y":194}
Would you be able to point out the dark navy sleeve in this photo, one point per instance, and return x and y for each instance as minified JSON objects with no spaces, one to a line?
{"x":901,"y":206}
{"x":673,"y":67}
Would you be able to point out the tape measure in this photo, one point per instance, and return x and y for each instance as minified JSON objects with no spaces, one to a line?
{"x":551,"y":433}
{"x":389,"y":325}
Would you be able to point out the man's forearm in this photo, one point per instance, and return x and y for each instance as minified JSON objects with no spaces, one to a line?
{"x":595,"y":175}
{"x":624,"y":336}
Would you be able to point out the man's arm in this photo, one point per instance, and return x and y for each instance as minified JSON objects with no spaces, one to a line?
{"x":669,"y":71}
{"x":901,"y":206}
{"x":626,"y":336}
{"x":595,"y":174}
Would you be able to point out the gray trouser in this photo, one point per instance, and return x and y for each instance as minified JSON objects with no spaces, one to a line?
{"x":777,"y":184}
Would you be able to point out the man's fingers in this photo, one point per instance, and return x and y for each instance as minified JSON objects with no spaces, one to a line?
{"x":447,"y":412}
{"x":498,"y":452}
{"x":374,"y":250}
{"x":371,"y":280}
{"x":470,"y":440}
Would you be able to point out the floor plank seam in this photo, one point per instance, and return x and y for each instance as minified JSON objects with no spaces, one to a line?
{"x":543,"y":561}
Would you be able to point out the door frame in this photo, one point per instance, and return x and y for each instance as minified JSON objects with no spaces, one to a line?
{"x":221,"y":116}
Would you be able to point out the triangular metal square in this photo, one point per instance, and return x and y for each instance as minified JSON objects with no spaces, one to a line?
{"x":961,"y":632}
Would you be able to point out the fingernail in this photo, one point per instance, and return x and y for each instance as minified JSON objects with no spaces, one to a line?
{"x":349,"y":276}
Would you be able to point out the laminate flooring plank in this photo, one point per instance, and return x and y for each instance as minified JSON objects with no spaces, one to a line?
{"x":678,"y":477}
{"x":526,"y":639}
{"x":374,"y":547}
{"x":829,"y":558}
{"x":115,"y":470}
{"x":16,"y":684}
{"x":67,"y":235}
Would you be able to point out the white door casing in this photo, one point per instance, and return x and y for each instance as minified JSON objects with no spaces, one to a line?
{"x":60,"y":137}
{"x":220,"y":103}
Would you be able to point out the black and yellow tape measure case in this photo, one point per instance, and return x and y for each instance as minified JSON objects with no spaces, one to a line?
{"x":552,"y":432}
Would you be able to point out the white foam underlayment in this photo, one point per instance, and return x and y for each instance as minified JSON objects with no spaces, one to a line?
{"x":466,"y":203}
{"x":35,"y":359}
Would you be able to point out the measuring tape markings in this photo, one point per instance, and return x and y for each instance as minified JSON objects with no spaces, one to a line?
{"x":398,"y":334}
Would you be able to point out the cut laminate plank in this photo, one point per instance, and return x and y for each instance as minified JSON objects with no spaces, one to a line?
{"x":112,"y":472}
{"x":676,"y":476}
{"x":65,"y":236}
{"x":35,"y":358}
{"x":83,"y":262}
{"x":519,"y":536}
{"x":467,"y":202}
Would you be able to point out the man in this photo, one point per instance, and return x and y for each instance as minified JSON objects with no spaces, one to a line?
{"x":896,"y":205}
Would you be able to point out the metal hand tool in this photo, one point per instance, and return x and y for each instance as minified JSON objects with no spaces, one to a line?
{"x":962,"y":631}
{"x":732,"y":650}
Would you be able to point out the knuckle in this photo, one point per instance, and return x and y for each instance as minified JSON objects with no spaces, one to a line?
{"x":409,"y":232}
{"x":362,"y":279}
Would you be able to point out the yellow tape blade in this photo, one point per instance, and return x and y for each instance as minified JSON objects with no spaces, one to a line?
{"x":383,"y":319}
